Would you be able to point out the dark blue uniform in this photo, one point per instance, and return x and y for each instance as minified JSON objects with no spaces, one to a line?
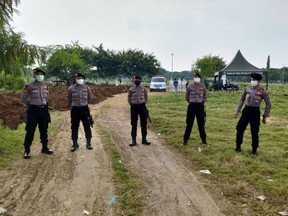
{"x":252,"y":97}
{"x":35,"y":96}
{"x":137,"y":97}
{"x":78,"y":98}
{"x":196,"y":96}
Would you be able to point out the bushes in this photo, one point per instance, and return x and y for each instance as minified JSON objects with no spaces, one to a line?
{"x":11,"y":81}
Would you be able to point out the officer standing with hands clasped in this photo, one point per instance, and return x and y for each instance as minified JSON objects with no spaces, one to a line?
{"x":196,"y":96}
{"x":137,"y":98}
{"x":35,"y":96}
{"x":252,"y":97}
{"x":79,"y":96}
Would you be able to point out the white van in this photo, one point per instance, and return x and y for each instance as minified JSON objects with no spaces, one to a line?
{"x":158,"y":84}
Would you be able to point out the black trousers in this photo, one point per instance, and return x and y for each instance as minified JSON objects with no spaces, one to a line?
{"x":80,"y":114}
{"x":36,"y":115}
{"x":135,"y":110}
{"x":198,"y":110}
{"x":249,"y":115}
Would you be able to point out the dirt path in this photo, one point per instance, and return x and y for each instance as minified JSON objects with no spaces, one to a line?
{"x":64,"y":183}
{"x":171,"y":188}
{"x":68,"y":183}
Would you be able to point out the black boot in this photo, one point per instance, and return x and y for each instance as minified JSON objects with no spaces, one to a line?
{"x":133,"y":143}
{"x":185,"y":142}
{"x":254,"y":152}
{"x":27,"y":154}
{"x":145,"y":142}
{"x":204,"y":142}
{"x":88,"y":144}
{"x":75,"y":146}
{"x":46,"y":150}
{"x":238,"y":148}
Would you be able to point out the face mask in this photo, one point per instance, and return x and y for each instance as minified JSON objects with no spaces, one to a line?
{"x":39,"y":78}
{"x":80,"y":81}
{"x":197,"y":79}
{"x":137,"y":82}
{"x":254,"y":83}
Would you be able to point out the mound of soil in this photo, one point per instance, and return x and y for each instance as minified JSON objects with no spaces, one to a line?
{"x":13,"y":111}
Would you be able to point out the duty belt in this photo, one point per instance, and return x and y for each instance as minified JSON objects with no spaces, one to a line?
{"x":38,"y":106}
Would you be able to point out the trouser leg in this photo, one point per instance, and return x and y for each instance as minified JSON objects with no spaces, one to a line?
{"x":134,"y":120}
{"x":254,"y":127}
{"x":241,"y":127}
{"x":143,"y":123}
{"x":43,"y":127}
{"x":31,"y":123}
{"x":75,"y":121}
{"x":201,"y":124}
{"x":190,"y":116}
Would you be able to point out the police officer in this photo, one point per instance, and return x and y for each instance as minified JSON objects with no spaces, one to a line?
{"x":137,"y":97}
{"x":252,"y":97}
{"x":79,"y":96}
{"x":196,"y":96}
{"x":35,"y":96}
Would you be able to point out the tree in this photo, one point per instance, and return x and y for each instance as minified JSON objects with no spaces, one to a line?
{"x":208,"y":65}
{"x":7,"y":8}
{"x":15,"y":52}
{"x":138,"y":62}
{"x":65,"y":62}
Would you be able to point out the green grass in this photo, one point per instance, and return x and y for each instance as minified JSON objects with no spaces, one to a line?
{"x":237,"y":176}
{"x":128,"y":185}
{"x":245,"y":178}
{"x":11,"y":141}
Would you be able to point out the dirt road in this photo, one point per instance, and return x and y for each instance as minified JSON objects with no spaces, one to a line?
{"x":77,"y":183}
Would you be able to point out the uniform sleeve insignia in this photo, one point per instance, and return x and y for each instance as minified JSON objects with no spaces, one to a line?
{"x":26,"y":88}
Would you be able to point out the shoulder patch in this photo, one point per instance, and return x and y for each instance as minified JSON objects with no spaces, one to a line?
{"x":26,"y":88}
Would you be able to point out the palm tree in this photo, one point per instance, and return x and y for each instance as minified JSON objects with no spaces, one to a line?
{"x":7,"y":9}
{"x":15,"y":52}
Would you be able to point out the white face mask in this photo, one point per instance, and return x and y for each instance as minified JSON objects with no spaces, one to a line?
{"x":197,"y":79}
{"x":254,"y":83}
{"x":40,"y":78}
{"x":80,"y":81}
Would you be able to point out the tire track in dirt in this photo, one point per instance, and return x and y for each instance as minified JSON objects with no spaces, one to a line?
{"x":171,"y":188}
{"x":64,"y":183}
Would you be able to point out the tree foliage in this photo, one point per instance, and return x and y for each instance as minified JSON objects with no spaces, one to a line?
{"x":65,"y":62}
{"x":15,"y":52}
{"x":97,"y":62}
{"x":208,"y":65}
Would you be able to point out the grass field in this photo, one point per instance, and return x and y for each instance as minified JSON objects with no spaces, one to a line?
{"x":237,"y":176}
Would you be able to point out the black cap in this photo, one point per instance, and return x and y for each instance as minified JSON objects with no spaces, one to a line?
{"x":197,"y":75}
{"x":137,"y":77}
{"x":256,"y":76}
{"x":38,"y":70}
{"x":80,"y":75}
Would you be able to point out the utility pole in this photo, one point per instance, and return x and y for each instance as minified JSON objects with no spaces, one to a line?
{"x":172,"y":66}
{"x":172,"y":62}
{"x":283,"y":73}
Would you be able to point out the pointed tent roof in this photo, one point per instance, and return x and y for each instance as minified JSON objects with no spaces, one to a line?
{"x":240,"y":66}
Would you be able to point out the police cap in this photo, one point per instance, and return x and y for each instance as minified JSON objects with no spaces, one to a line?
{"x":38,"y":70}
{"x":137,"y":77}
{"x":256,"y":76}
{"x":80,"y":75}
{"x":197,"y":75}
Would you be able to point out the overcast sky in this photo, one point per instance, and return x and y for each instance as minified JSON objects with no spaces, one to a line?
{"x":189,"y":29}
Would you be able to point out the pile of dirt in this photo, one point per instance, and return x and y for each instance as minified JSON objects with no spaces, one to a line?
{"x":13,"y":111}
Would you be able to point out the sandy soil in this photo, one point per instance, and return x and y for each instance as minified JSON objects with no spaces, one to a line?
{"x":68,"y":183}
{"x":171,"y":188}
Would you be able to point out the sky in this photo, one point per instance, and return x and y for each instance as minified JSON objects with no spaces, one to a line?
{"x":176,"y":32}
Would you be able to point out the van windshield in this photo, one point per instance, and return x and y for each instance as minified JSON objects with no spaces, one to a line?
{"x":157,"y":79}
